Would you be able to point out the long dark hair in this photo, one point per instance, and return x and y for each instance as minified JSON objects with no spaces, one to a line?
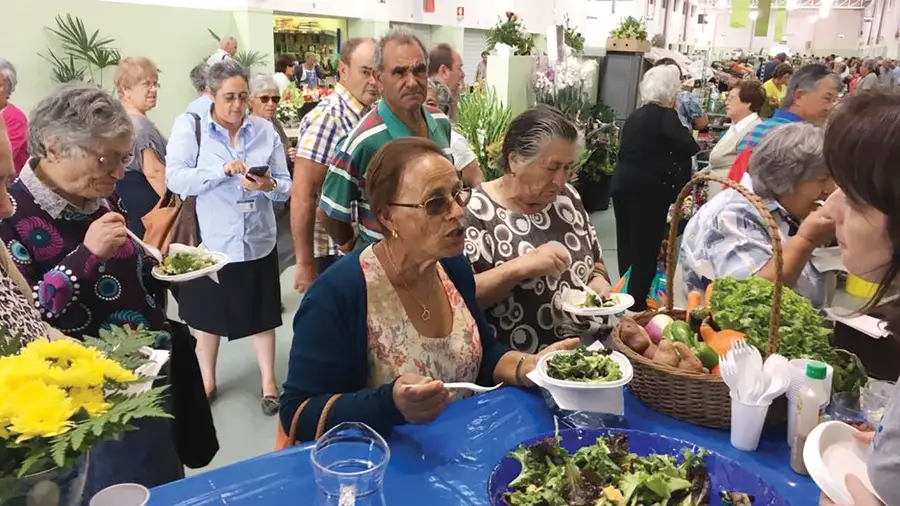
{"x":861,"y":148}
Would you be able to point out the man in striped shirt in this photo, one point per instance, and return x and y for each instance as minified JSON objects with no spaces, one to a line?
{"x":320,"y":131}
{"x":401,"y":69}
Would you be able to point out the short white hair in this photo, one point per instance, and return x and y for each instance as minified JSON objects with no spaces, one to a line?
{"x":226,"y":41}
{"x":660,"y":86}
{"x":8,"y":72}
{"x":262,"y":82}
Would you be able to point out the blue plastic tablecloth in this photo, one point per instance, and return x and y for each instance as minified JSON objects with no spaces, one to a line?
{"x":448,"y":462}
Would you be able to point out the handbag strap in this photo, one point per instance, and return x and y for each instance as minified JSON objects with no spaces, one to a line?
{"x":320,"y":426}
{"x":169,"y":195}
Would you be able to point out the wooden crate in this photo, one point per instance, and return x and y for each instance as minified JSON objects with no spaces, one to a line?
{"x":628,"y":45}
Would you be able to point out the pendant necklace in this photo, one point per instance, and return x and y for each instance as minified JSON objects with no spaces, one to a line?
{"x":426,"y":314}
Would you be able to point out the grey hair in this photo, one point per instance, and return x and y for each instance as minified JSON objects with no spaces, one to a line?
{"x":660,"y":86}
{"x":786,"y":156}
{"x":76,"y":116}
{"x":222,"y":70}
{"x":226,"y":41}
{"x":443,"y":95}
{"x":8,"y":71}
{"x":400,"y":35}
{"x":870,"y":64}
{"x":198,"y":76}
{"x":262,"y":82}
{"x":807,"y":79}
{"x":530,"y":132}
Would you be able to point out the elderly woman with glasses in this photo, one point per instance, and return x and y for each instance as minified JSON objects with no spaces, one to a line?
{"x":66,"y":235}
{"x":16,"y":122}
{"x":237,"y":173}
{"x":728,"y":236}
{"x":401,"y":316}
{"x":137,"y":85}
{"x":264,"y":98}
{"x":528,"y":234}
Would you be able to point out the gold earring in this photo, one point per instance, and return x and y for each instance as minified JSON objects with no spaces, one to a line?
{"x":394,"y":234}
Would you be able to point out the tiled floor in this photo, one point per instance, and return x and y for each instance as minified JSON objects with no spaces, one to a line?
{"x":243,"y":430}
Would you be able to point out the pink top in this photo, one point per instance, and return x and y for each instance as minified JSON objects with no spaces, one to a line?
{"x":17,"y":130}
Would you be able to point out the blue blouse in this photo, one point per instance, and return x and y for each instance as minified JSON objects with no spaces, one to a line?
{"x":329,"y":353}
{"x":234,"y":221}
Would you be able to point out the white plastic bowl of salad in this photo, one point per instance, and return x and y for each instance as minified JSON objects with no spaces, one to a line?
{"x":589,"y":379}
{"x":581,"y":303}
{"x":186,"y":263}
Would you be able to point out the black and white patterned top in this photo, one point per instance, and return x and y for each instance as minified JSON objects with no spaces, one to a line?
{"x":531,"y":317}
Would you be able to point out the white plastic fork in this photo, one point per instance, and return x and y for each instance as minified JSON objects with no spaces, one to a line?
{"x":471,"y":386}
{"x":153,"y":250}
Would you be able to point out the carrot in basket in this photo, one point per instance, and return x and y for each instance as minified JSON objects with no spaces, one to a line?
{"x":709,"y":290}
{"x":694,"y":301}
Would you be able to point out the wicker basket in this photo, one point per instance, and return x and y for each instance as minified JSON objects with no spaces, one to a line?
{"x":697,"y":398}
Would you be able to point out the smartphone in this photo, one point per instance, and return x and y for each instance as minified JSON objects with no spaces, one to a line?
{"x":259,"y":170}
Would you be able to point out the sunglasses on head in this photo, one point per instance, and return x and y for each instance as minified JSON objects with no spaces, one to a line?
{"x":274,"y":98}
{"x":440,"y":205}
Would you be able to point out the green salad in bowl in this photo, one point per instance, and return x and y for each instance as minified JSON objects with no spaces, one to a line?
{"x":184,"y":263}
{"x":584,"y":366}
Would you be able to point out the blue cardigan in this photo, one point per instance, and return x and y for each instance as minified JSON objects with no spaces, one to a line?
{"x":329,"y":353}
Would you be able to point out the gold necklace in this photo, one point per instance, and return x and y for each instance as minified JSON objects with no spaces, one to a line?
{"x":426,"y":314}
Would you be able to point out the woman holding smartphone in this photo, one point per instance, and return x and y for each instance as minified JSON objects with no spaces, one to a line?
{"x":237,"y":172}
{"x":866,"y":213}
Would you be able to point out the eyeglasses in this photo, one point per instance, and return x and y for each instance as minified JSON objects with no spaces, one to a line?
{"x":240,"y":97}
{"x":440,"y":205}
{"x":108,"y":161}
{"x":265,"y":99}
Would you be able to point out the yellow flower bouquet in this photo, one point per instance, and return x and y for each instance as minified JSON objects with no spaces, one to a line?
{"x":62,"y":397}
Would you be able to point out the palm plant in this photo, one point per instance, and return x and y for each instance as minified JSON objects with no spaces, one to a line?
{"x":483,"y":120}
{"x":82,"y":54}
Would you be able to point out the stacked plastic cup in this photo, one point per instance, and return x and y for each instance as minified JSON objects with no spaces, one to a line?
{"x":747,"y":421}
{"x":798,"y":378}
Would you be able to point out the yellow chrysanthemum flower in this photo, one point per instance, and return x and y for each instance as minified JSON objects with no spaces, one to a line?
{"x":4,"y":432}
{"x":81,"y":374}
{"x":115,"y":372}
{"x":62,"y":351}
{"x":39,"y":410}
{"x":91,"y":399}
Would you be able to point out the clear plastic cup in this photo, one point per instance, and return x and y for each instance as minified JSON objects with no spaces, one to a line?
{"x":747,"y":423}
{"x":123,"y":494}
{"x":875,"y":399}
{"x":349,"y":462}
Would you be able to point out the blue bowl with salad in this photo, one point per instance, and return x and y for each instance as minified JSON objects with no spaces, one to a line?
{"x":611,"y":467}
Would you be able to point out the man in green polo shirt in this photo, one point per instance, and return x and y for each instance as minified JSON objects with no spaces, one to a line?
{"x":401,"y":70}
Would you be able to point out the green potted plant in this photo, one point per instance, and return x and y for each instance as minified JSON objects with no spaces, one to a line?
{"x":82,"y":57}
{"x":601,"y":138}
{"x":483,"y":120}
{"x":512,"y":33}
{"x":573,"y":38}
{"x":629,"y":37}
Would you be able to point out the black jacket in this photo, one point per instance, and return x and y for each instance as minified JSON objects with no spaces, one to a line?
{"x":655,"y":153}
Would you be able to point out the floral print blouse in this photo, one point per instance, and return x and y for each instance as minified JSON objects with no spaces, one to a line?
{"x":396,"y":347}
{"x":75,"y":291}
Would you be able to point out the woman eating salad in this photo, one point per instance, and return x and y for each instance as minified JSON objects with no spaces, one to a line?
{"x":862,"y":144}
{"x":379,"y":334}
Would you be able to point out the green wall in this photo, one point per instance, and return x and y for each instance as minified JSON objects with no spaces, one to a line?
{"x":175,"y":38}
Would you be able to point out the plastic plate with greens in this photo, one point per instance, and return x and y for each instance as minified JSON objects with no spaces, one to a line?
{"x":581,"y":303}
{"x":186,"y":263}
{"x":584,"y":366}
{"x":612,"y":467}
